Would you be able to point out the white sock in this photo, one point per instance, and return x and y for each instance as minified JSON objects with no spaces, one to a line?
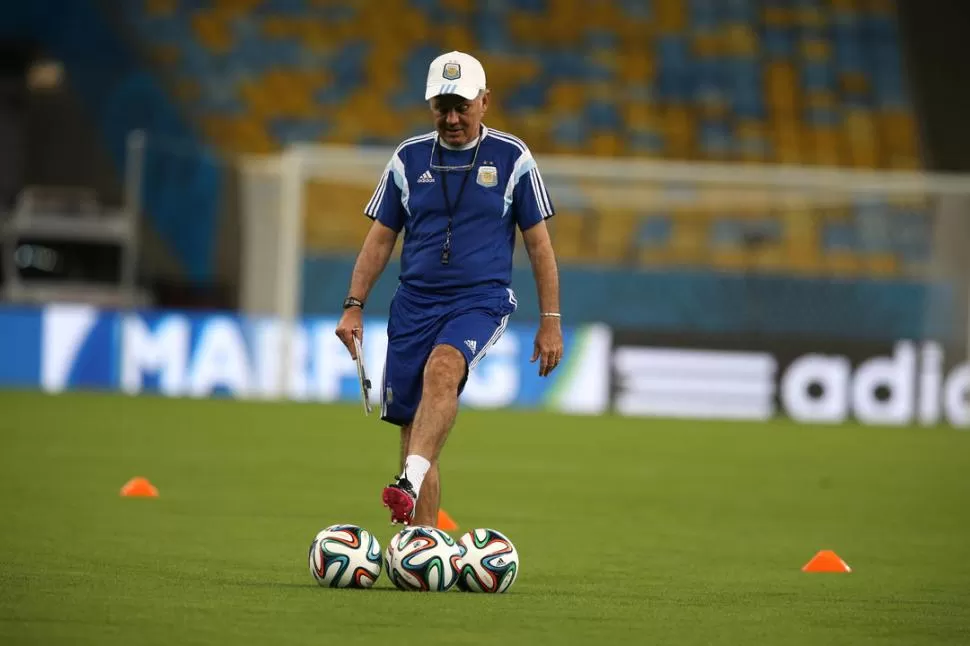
{"x":415,"y":468}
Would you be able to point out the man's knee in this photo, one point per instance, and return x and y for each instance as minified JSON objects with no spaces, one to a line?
{"x":445,"y":370}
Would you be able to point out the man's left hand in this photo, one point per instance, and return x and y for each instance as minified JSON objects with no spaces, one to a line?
{"x":548,"y":345}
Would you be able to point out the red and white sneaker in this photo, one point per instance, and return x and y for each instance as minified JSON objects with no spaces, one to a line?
{"x":400,"y":498}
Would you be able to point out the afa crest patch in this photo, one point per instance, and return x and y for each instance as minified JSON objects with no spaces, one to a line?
{"x":487,"y":176}
{"x":451,"y":71}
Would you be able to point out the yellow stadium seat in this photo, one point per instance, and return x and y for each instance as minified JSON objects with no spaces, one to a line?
{"x":688,"y":237}
{"x":281,"y":27}
{"x":456,"y":37}
{"x":212,"y":30}
{"x":566,"y":97}
{"x":856,"y":83}
{"x":860,"y":136}
{"x":186,"y":90}
{"x":606,"y":144}
{"x":707,"y":44}
{"x":883,"y":265}
{"x":826,"y":146}
{"x":882,"y":7}
{"x":641,"y":116}
{"x":160,"y":8}
{"x":568,"y":232}
{"x":635,"y":36}
{"x":776,"y":16}
{"x":414,"y":27}
{"x":730,"y":258}
{"x":753,"y":140}
{"x":781,"y":86}
{"x":527,"y":28}
{"x":821,"y":100}
{"x":283,"y":93}
{"x":461,"y":6}
{"x":786,"y":136}
{"x":245,"y":134}
{"x":800,"y":228}
{"x":164,"y":55}
{"x":679,"y":128}
{"x":670,"y":16}
{"x":897,"y":130}
{"x":534,"y":125}
{"x":637,"y":69}
{"x":803,"y":260}
{"x":810,"y":17}
{"x":768,"y":258}
{"x":564,"y":28}
{"x":653,"y":257}
{"x":843,"y":264}
{"x":816,"y":50}
{"x":236,"y":7}
{"x":508,"y":71}
{"x":257,"y":99}
{"x":740,"y":40}
{"x":334,"y":217}
{"x":616,"y":236}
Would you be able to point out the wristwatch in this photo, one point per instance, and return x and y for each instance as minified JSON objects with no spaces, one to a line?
{"x":350,"y":301}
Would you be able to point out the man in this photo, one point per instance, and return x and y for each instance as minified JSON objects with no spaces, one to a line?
{"x":458,"y":193}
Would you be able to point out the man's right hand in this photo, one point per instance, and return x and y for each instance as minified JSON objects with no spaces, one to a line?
{"x":351,"y":323}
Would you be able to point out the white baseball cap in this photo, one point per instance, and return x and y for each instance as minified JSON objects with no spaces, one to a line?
{"x":455,"y":73}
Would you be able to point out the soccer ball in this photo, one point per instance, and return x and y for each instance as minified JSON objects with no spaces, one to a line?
{"x":422,"y":559}
{"x":345,"y":556}
{"x":489,"y":561}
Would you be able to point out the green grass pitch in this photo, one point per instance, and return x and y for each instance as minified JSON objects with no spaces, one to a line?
{"x":630,"y":531}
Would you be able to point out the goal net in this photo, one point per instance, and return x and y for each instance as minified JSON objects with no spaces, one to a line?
{"x":789,"y":261}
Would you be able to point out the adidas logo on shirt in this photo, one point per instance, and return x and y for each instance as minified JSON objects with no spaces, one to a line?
{"x":472,"y":345}
{"x":426,"y":178}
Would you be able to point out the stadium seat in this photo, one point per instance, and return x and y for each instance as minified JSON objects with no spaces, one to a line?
{"x":780,"y":81}
{"x":567,"y":230}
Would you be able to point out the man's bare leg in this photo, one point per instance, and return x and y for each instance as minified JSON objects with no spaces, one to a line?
{"x":443,"y":373}
{"x":426,"y":511}
{"x":439,"y":402}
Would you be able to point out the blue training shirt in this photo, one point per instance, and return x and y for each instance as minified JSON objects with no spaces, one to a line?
{"x":503,"y":190}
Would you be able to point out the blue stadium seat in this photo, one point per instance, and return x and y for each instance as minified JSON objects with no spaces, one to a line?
{"x":839,"y":236}
{"x":779,"y":42}
{"x":739,"y":11}
{"x":704,"y":15}
{"x":655,"y":231}
{"x":716,"y":138}
{"x":603,"y":115}
{"x":637,"y":9}
{"x":570,"y":131}
{"x":289,"y":131}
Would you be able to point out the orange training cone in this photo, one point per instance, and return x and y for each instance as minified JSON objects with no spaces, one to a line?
{"x":445,"y":522}
{"x":826,"y":561}
{"x":139,"y":487}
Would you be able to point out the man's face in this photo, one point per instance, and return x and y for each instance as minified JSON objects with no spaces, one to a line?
{"x":457,"y":119}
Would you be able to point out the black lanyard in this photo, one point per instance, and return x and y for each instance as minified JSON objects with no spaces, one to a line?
{"x":446,"y":247}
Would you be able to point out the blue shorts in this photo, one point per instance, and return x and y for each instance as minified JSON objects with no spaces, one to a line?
{"x":418,"y":322}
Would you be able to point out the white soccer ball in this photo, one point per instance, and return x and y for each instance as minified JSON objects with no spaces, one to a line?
{"x":345,"y":556}
{"x":422,"y":559}
{"x":489,"y":562}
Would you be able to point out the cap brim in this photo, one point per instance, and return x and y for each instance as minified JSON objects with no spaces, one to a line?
{"x":464,"y":91}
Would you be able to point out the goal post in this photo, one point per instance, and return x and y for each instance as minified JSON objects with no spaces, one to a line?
{"x":786,"y":241}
